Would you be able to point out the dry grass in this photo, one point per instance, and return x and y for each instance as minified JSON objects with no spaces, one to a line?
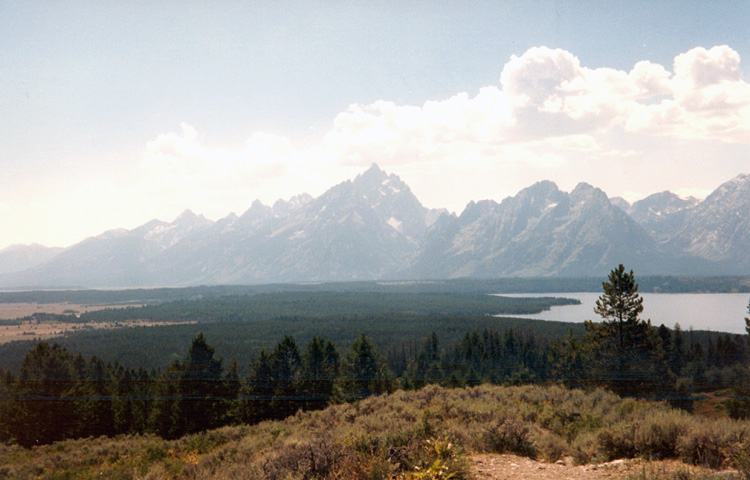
{"x":14,"y":327}
{"x":10,"y":311}
{"x":403,"y":435}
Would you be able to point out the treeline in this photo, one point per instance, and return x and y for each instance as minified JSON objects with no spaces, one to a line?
{"x":153,"y":347}
{"x":237,"y":308}
{"x":122,"y":296}
{"x":653,"y":283}
{"x":58,"y":395}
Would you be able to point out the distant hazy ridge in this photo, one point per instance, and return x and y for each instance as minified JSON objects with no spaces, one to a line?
{"x":373,"y":227}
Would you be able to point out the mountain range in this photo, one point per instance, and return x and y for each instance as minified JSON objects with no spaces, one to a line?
{"x":374,"y":227}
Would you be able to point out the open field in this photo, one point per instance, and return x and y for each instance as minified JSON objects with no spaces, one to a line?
{"x":46,"y":330}
{"x":10,"y":311}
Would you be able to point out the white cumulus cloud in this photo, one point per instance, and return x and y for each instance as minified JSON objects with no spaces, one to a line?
{"x":707,"y":99}
{"x":548,"y":116}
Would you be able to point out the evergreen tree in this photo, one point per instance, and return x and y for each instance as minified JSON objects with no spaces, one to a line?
{"x":320,"y":366}
{"x":363,"y":372}
{"x":285,"y":365}
{"x":677,"y":353}
{"x":627,"y":351}
{"x":162,"y":417}
{"x":6,"y":405}
{"x":199,"y":389}
{"x":620,"y":304}
{"x":142,"y":401}
{"x":96,"y":416}
{"x":232,"y":387}
{"x":256,"y":402}
{"x":569,"y":359}
{"x":427,"y":367}
{"x":44,"y":397}
{"x":739,"y":405}
{"x":124,"y":405}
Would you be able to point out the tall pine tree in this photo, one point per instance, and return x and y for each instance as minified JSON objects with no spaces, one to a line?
{"x":200,"y":389}
{"x":628,"y":357}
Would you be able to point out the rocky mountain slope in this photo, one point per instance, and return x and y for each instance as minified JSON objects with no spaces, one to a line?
{"x":373,"y":227}
{"x":661,"y":214}
{"x":541,"y":231}
{"x":718,"y":228}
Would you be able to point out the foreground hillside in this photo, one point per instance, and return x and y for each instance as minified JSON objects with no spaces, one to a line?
{"x":430,"y":433}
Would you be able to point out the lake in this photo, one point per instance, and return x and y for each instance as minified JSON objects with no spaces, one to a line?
{"x":722,"y":312}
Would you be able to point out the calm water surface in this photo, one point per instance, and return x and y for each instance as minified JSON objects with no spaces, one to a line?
{"x":723,"y":312}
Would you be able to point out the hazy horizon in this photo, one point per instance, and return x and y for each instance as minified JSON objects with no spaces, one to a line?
{"x":115,"y":114}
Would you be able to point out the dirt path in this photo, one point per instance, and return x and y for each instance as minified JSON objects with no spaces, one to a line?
{"x":507,"y":467}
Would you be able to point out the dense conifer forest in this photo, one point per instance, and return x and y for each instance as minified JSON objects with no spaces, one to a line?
{"x":57,"y":392}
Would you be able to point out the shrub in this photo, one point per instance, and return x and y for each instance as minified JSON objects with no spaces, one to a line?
{"x":408,"y":435}
{"x":509,"y":434}
{"x":585,"y":448}
{"x":740,"y":460}
{"x":656,"y":436}
{"x":702,"y":446}
{"x":550,"y":446}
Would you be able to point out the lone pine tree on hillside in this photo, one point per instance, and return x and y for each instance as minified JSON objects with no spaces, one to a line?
{"x":628,"y":353}
{"x":620,"y":302}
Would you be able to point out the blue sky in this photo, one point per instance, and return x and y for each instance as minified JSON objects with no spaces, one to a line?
{"x":113,"y":113}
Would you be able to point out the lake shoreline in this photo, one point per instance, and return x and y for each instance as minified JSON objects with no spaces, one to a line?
{"x":719,"y":312}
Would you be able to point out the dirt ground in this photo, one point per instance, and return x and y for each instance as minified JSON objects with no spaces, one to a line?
{"x":507,"y":467}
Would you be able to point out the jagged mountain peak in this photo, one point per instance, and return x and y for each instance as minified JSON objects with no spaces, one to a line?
{"x":718,"y":228}
{"x":374,"y":183}
{"x":388,"y":197}
{"x":585,"y":188}
{"x":114,"y":233}
{"x":538,"y":196}
{"x":741,"y":178}
{"x":661,"y":203}
{"x":256,"y":206}
{"x":586,"y":193}
{"x":373,"y":226}
{"x":543,"y":187}
{"x":372,"y":173}
{"x":256,"y":214}
{"x":737,"y":185}
{"x":475,"y":210}
{"x":186,"y":214}
{"x":229,"y":219}
{"x":283,"y":207}
{"x":621,"y":203}
{"x":190,"y":219}
{"x":163,"y":234}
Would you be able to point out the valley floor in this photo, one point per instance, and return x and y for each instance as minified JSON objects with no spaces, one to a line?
{"x":46,"y":330}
